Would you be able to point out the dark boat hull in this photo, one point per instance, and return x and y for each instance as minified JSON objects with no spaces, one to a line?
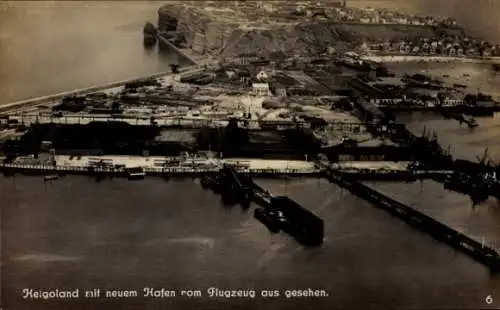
{"x":267,"y":219}
{"x":135,"y":177}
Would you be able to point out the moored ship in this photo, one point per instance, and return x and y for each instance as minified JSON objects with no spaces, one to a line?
{"x":135,"y":173}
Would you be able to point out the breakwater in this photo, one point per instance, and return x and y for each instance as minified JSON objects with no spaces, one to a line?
{"x":277,"y":213}
{"x":181,"y":120}
{"x":440,"y":232}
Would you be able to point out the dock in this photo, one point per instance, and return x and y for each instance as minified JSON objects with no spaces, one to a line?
{"x":206,"y":164}
{"x":183,"y":121}
{"x":12,"y":169}
{"x":439,"y":231}
{"x":277,"y":213}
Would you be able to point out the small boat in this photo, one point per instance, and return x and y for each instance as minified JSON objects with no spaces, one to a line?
{"x":461,"y":183}
{"x":210,"y":182}
{"x":51,"y":177}
{"x":470,"y":121}
{"x":270,"y":219}
{"x":136,"y":173}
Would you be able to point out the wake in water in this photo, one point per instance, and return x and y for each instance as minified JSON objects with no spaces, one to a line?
{"x":191,"y":241}
{"x":47,"y":258}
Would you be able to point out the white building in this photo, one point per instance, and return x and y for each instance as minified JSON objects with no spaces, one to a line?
{"x":261,"y":89}
{"x":331,"y":50}
{"x":198,"y":45}
{"x":281,"y":91}
{"x":262,"y":75}
{"x":180,"y":87}
{"x":269,"y":7}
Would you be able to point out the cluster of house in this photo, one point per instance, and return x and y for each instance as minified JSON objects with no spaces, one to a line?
{"x":450,"y":46}
{"x":339,"y":11}
{"x":383,"y":16}
{"x":261,"y":75}
{"x":247,"y":70}
{"x":423,"y":101}
{"x":260,"y":81}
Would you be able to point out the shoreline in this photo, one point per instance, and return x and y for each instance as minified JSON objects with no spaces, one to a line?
{"x":427,"y":59}
{"x":33,"y":102}
{"x":196,"y":64}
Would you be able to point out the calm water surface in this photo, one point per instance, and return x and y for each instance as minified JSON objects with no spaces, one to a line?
{"x":48,"y":46}
{"x":77,"y":233}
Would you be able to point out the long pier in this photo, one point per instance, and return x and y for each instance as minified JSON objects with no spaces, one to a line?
{"x":356,"y":173}
{"x":173,"y":121}
{"x":11,"y":169}
{"x":479,"y":252}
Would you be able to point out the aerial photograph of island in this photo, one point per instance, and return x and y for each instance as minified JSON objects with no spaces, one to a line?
{"x":250,"y":154}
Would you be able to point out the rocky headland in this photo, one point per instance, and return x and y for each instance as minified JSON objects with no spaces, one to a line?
{"x":235,"y":28}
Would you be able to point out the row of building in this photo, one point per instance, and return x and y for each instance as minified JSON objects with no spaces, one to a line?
{"x":384,"y":16}
{"x":340,"y":11}
{"x":450,"y":46}
{"x":262,"y":81}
